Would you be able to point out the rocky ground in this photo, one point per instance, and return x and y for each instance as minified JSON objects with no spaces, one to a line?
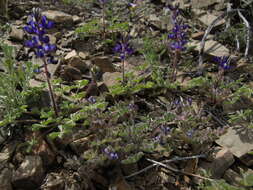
{"x":62,"y":163}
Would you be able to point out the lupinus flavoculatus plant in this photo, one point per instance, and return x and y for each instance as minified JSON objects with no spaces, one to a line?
{"x":178,"y":37}
{"x":223,"y":64}
{"x":39,"y":43}
{"x":123,"y":48}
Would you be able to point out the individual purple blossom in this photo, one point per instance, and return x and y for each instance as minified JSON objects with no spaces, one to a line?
{"x":165,"y":129}
{"x":223,"y":62}
{"x":92,"y":100}
{"x":112,"y":155}
{"x":190,"y":133}
{"x":133,"y":107}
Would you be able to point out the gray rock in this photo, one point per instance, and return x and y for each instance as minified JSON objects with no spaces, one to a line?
{"x":78,"y":63}
{"x":212,"y":48}
{"x":205,"y":3}
{"x":58,"y":16}
{"x":5,"y":179}
{"x":70,"y":73}
{"x":104,"y":63}
{"x":111,"y":79}
{"x":16,"y":34}
{"x":54,"y":182}
{"x":235,"y":178}
{"x":76,"y":19}
{"x":71,"y":54}
{"x":84,"y":54}
{"x":238,"y":143}
{"x":30,"y":173}
{"x":222,"y":160}
{"x":207,"y":20}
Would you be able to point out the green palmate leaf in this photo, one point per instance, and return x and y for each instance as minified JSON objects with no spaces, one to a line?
{"x":198,"y":82}
{"x":118,"y":27}
{"x":54,"y":135}
{"x":81,"y":83}
{"x":90,"y":28}
{"x":79,"y":96}
{"x":118,"y":90}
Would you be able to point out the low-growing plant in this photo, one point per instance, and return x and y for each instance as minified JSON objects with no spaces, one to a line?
{"x":14,"y":85}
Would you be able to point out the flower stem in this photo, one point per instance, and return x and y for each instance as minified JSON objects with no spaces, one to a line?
{"x":123,"y":72}
{"x":50,"y":88}
{"x":174,"y":66}
{"x":103,"y":20}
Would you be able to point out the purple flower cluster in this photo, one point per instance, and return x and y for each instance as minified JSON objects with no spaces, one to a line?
{"x":103,"y":1}
{"x":124,"y":49}
{"x":178,"y":34}
{"x":223,"y":62}
{"x":39,"y":41}
{"x":112,"y":155}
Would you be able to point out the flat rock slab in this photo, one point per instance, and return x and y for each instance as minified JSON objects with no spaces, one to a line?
{"x":239,"y":144}
{"x":205,"y":3}
{"x":212,"y":48}
{"x":30,"y":173}
{"x":58,"y":16}
{"x":207,"y":20}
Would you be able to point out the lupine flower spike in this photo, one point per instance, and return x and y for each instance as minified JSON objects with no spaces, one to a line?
{"x":39,"y":43}
{"x":111,"y":154}
{"x":224,"y":65}
{"x":123,"y":49}
{"x":224,"y":62}
{"x":178,"y":36}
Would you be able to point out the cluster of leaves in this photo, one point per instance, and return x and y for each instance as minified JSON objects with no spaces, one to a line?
{"x":14,"y":85}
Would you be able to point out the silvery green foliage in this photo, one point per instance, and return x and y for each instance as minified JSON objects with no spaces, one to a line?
{"x":14,"y":84}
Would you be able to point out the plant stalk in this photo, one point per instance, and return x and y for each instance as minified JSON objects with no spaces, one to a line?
{"x":50,"y":88}
{"x":103,"y":21}
{"x":174,"y":66}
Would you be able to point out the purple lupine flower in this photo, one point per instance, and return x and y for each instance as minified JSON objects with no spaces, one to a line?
{"x":189,"y":101}
{"x":103,"y":1}
{"x":190,"y":133}
{"x":112,"y":155}
{"x":91,"y":100}
{"x":39,"y":41}
{"x":165,"y":129}
{"x":133,"y":107}
{"x":124,"y":49}
{"x":223,"y":62}
{"x":178,"y":33}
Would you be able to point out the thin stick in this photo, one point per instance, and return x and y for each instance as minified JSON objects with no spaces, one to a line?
{"x":248,"y":32}
{"x":166,"y":161}
{"x":103,"y":19}
{"x":208,"y":30}
{"x":178,"y":171}
{"x":228,"y":22}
